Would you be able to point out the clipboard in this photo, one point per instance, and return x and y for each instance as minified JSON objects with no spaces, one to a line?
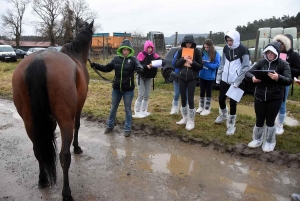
{"x":262,"y":74}
{"x":187,"y":52}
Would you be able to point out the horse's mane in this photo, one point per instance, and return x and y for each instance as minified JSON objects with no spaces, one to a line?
{"x":81,"y":42}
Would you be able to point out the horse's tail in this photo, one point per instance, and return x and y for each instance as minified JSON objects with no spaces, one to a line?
{"x":43,"y":136}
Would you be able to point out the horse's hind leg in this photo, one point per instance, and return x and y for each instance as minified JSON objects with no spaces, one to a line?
{"x":77,"y":149}
{"x":43,"y":179}
{"x":65,"y":160}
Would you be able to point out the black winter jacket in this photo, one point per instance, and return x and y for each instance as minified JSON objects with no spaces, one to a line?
{"x":192,"y":73}
{"x":269,"y":89}
{"x":148,"y":73}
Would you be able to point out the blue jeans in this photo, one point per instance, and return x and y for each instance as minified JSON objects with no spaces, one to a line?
{"x":176,"y":90}
{"x":116,"y":98}
{"x":282,"y":109}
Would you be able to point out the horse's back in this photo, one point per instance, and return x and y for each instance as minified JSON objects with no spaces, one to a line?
{"x":60,"y":77}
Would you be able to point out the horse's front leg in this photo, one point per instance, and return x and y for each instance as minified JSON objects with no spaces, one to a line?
{"x":77,"y":149}
{"x":65,"y":161}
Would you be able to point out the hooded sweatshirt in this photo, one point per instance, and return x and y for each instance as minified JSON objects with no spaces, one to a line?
{"x":292,"y":57}
{"x":124,"y":68}
{"x":235,"y":61}
{"x":145,"y":59}
{"x":268,"y":89}
{"x":184,"y":72}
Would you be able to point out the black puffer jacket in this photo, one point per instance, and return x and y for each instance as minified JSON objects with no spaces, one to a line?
{"x":124,"y":68}
{"x":292,"y":57}
{"x":185,"y":73}
{"x":269,"y":89}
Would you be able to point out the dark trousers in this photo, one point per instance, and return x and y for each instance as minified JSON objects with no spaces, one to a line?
{"x":222,"y":97}
{"x":266,"y":111}
{"x":190,"y":87}
{"x":206,"y":87}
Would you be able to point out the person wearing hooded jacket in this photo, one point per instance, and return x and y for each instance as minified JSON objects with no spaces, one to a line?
{"x":145,"y":57}
{"x":188,"y":74}
{"x":124,"y":64}
{"x":269,"y":93}
{"x":294,"y":61}
{"x":232,"y":70}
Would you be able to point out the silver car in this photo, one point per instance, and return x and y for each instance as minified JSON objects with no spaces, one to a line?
{"x":34,"y":49}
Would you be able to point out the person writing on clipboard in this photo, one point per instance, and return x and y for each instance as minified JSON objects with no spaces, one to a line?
{"x":271,"y":74}
{"x":234,"y":65}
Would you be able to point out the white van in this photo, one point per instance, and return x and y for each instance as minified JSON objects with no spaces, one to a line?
{"x":7,"y":53}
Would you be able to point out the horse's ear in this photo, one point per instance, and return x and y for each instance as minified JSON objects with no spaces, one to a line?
{"x":91,"y":24}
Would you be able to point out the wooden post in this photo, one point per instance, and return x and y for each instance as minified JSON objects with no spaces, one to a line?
{"x":256,"y":46}
{"x":103,"y":48}
{"x":175,"y":42}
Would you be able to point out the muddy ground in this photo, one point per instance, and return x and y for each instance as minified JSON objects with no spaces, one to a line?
{"x":149,"y":165}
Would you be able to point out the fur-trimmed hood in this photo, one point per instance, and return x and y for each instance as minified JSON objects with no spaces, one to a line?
{"x":285,"y":40}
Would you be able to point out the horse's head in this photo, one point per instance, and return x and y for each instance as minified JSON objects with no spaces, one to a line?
{"x":81,"y":44}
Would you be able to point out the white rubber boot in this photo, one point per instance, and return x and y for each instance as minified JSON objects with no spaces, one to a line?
{"x":175,"y":107}
{"x":201,"y":105}
{"x":257,"y":136}
{"x":223,"y":116}
{"x":279,"y":124}
{"x":190,"y":125}
{"x":231,"y":124}
{"x":269,"y":141}
{"x":144,"y":108}
{"x":206,"y":110}
{"x":184,"y":114}
{"x":137,"y":110}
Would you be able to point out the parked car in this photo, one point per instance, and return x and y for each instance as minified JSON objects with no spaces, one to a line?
{"x":168,"y":68}
{"x":54,"y":48}
{"x":34,"y":49}
{"x":7,"y":53}
{"x":20,"y":53}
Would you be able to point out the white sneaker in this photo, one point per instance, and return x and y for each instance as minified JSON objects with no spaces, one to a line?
{"x":279,"y":129}
{"x":205,"y":112}
{"x":268,"y":147}
{"x":182,"y":121}
{"x":199,"y":110}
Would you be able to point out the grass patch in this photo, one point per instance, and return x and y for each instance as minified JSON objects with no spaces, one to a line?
{"x":99,"y":100}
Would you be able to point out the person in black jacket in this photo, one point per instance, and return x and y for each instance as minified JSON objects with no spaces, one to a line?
{"x":269,"y":93}
{"x":145,"y":58}
{"x":124,"y":64}
{"x":189,"y":67}
{"x":294,"y":61}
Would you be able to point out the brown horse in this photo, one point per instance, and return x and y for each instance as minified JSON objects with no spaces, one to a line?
{"x":50,"y":88}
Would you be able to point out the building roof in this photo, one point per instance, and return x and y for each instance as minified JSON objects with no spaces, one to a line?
{"x":26,"y":43}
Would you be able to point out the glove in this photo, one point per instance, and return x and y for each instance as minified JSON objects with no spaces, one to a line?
{"x":139,"y":70}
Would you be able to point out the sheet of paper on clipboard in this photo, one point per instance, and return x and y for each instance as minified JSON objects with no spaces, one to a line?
{"x":283,"y":56}
{"x":187,"y":52}
{"x":156,"y":63}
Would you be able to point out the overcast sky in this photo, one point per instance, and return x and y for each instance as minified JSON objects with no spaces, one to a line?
{"x":184,"y":16}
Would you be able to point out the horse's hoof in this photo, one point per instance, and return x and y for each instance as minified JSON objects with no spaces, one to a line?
{"x":43,"y":184}
{"x":68,"y":198}
{"x":77,"y":150}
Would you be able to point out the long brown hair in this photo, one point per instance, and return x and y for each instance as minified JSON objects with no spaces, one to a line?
{"x":211,"y":49}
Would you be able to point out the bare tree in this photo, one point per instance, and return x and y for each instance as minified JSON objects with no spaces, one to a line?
{"x":49,"y":12}
{"x":138,"y":40}
{"x":82,"y":11}
{"x":12,"y":21}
